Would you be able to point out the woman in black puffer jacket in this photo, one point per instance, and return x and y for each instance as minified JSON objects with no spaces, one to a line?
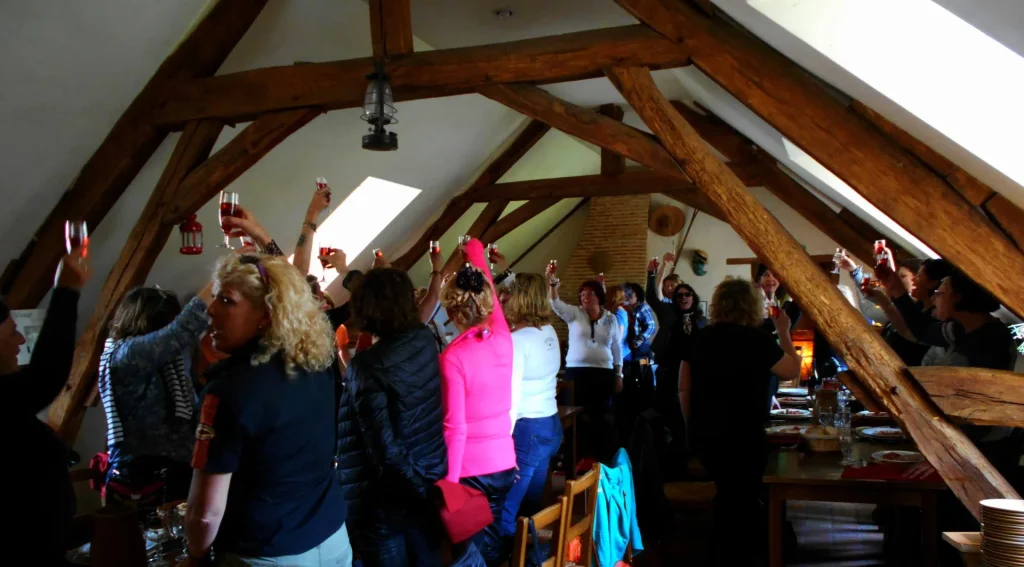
{"x":395,"y":388}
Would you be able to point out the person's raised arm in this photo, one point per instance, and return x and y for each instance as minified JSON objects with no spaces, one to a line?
{"x":504,"y":270}
{"x":152,"y":351}
{"x":428,"y":304}
{"x":34,"y":387}
{"x":247,"y":223}
{"x":304,"y":246}
{"x":668,"y":258}
{"x":475,"y":255}
{"x":787,"y":367}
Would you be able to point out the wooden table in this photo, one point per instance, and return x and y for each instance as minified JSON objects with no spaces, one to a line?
{"x":968,"y":544}
{"x":793,"y":475}
{"x":567,"y":414}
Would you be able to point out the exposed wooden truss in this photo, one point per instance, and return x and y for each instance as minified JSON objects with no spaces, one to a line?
{"x":781,"y":93}
{"x":126,"y":149}
{"x":143,"y":246}
{"x":444,"y":72}
{"x":526,"y":212}
{"x":494,"y":171}
{"x":960,"y":463}
{"x":611,"y":162}
{"x":978,"y":395}
{"x":736,"y":147}
{"x":390,"y":27}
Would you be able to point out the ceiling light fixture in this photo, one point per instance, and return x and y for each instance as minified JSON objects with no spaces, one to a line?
{"x":379,"y":111}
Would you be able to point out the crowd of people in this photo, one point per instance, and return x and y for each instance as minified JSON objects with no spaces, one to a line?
{"x":293,"y":450}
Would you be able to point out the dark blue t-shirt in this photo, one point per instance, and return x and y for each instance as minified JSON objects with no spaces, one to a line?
{"x":276,"y":435}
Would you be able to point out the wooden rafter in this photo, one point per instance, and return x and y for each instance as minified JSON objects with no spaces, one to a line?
{"x":550,"y":231}
{"x":517,"y":218}
{"x":390,"y":27}
{"x":127,"y":147}
{"x":611,"y":162}
{"x":188,"y":183}
{"x":783,"y":95}
{"x":960,"y":463}
{"x":978,"y":395}
{"x":141,"y":249}
{"x":444,"y":72}
{"x":454,"y":210}
{"x":736,"y":147}
{"x":486,"y":218}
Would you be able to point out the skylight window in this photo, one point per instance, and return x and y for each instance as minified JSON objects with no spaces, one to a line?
{"x":363,"y":215}
{"x":926,"y":59}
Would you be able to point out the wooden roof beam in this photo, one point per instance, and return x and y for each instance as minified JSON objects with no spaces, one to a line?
{"x":783,"y":95}
{"x":517,"y":218}
{"x":960,"y":463}
{"x":611,"y":162}
{"x":457,"y":207}
{"x":390,"y":28}
{"x":443,"y":72}
{"x":124,"y":151}
{"x":978,"y":395}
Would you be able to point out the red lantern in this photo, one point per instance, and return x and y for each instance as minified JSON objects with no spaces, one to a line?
{"x":191,"y":237}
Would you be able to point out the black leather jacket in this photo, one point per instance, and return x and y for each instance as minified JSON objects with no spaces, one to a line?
{"x":397,"y":401}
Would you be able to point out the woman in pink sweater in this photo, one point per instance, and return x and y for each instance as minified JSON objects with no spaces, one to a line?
{"x":476,"y":389}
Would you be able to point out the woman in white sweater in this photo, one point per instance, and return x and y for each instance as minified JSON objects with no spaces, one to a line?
{"x":593,"y":364}
{"x":537,"y":429}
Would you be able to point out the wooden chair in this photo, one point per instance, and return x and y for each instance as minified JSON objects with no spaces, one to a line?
{"x":583,"y":527}
{"x":554,"y":518}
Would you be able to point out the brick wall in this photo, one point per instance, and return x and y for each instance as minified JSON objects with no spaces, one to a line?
{"x":618,"y":226}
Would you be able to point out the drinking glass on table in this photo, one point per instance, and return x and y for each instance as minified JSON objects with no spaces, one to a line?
{"x":846,"y":440}
{"x":228,"y":208}
{"x":826,"y":417}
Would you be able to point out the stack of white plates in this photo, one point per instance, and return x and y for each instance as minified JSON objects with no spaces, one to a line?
{"x":1002,"y":531}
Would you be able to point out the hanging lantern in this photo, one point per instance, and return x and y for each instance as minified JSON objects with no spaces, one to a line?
{"x":379,"y":111}
{"x":191,"y":237}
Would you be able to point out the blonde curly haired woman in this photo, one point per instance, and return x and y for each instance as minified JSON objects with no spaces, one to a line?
{"x":728,"y":368}
{"x":264,"y":487}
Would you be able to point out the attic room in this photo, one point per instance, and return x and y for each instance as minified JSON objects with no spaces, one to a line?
{"x":584,"y":145}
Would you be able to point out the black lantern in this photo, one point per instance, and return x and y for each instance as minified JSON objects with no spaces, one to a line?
{"x":379,"y":111}
{"x":191,"y":237}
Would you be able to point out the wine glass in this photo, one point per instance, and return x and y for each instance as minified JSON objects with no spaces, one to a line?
{"x":76,"y":235}
{"x":837,"y":258}
{"x":435,"y":247}
{"x":846,"y":440}
{"x":321,"y":183}
{"x":324,"y":251}
{"x":228,"y":208}
{"x":826,"y":417}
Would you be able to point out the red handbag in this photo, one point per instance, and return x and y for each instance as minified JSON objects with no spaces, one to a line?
{"x":464,"y":510}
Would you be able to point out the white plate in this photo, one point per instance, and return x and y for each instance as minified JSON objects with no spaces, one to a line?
{"x":867,"y":413}
{"x":884,"y":433}
{"x":786,"y":429}
{"x":792,"y":392}
{"x":901,"y":457}
{"x":793,"y":400}
{"x":1004,"y":504}
{"x":791,"y":413}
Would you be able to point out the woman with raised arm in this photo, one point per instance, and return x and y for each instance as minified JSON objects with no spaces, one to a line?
{"x":43,"y":495}
{"x":264,"y":487}
{"x":148,"y":397}
{"x":729,"y":366}
{"x":538,"y":429}
{"x":593,"y":364}
{"x":477,"y":390}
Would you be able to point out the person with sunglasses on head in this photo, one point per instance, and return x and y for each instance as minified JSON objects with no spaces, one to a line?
{"x":688,"y":318}
{"x":264,"y":490}
{"x":593,"y":364}
{"x":147,"y":395}
{"x":41,"y":492}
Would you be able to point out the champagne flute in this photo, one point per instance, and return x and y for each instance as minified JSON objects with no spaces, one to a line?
{"x":228,"y":208}
{"x":324,"y":251}
{"x":321,"y":183}
{"x":836,"y":259}
{"x":76,"y":235}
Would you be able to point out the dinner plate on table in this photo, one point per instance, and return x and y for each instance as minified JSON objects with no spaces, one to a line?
{"x":883,"y":433}
{"x":874,"y":414}
{"x":793,"y":400}
{"x":786,"y":429}
{"x":792,"y":391}
{"x":901,"y":457}
{"x":791,"y":413}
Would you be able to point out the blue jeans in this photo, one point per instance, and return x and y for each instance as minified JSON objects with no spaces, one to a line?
{"x":401,"y":539}
{"x":335,"y":551}
{"x":536,"y":440}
